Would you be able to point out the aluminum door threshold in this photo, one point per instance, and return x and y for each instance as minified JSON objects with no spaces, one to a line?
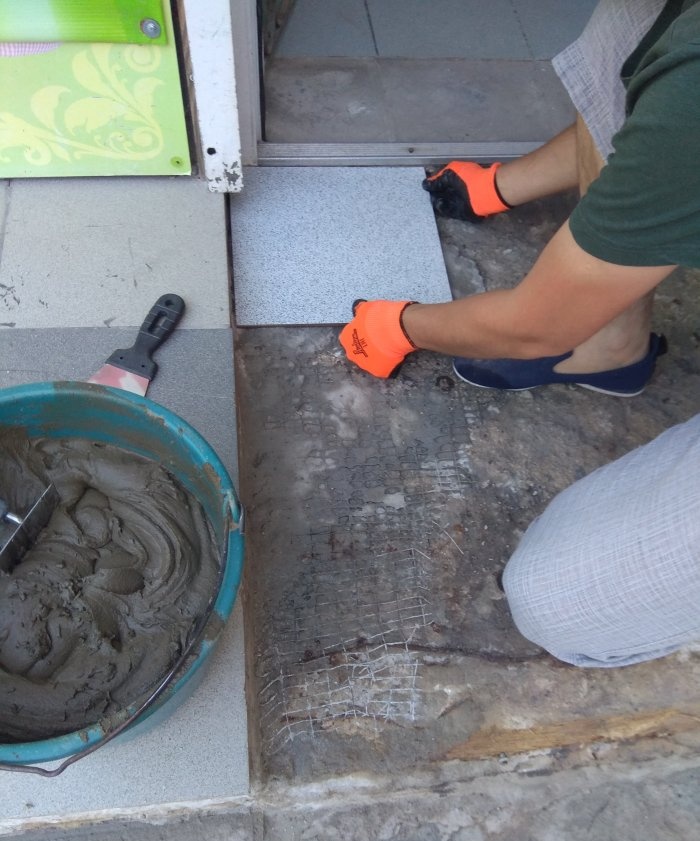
{"x":388,"y":154}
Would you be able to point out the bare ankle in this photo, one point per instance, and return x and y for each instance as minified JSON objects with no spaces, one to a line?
{"x":606,"y":354}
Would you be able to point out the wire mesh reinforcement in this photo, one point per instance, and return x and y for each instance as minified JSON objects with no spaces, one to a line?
{"x":345,"y":652}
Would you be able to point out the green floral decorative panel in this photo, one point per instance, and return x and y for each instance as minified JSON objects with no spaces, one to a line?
{"x":92,"y":109}
{"x":121,"y":21}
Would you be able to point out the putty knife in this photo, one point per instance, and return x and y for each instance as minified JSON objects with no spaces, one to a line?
{"x":132,"y":369}
{"x":25,"y":529}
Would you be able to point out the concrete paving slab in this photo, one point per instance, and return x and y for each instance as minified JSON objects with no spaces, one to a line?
{"x":447,"y":28}
{"x":327,"y":28}
{"x":234,"y":819}
{"x":307,"y":241}
{"x":92,"y":252}
{"x":198,"y":751}
{"x":551,"y":25}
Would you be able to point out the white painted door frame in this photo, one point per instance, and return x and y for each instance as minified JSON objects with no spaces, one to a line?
{"x":208,"y":48}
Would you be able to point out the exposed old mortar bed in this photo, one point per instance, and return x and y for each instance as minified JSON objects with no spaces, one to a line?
{"x":380,"y":512}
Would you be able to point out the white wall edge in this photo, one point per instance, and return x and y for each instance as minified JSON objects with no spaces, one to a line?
{"x":214,"y":104}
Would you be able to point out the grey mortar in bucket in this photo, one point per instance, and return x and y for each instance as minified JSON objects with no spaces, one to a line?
{"x":100,"y":607}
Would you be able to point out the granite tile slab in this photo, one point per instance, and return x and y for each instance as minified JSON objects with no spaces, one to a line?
{"x":99,"y":251}
{"x":307,"y":241}
{"x":327,"y":28}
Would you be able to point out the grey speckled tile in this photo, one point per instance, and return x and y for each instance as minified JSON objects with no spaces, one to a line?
{"x":307,"y":241}
{"x":94,"y":251}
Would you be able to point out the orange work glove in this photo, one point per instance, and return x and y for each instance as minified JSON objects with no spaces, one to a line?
{"x":375,"y":339}
{"x":465,"y":190}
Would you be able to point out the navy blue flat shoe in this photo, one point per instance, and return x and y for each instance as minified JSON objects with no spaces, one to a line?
{"x":521,"y":374}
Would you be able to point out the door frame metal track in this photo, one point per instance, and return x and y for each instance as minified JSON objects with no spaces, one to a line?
{"x":388,"y":154}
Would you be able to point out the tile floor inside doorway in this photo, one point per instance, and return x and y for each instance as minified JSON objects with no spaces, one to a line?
{"x":499,"y":29}
{"x":409,"y":70}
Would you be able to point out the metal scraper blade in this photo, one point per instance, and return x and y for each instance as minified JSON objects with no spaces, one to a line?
{"x":26,"y":529}
{"x":132,"y":369}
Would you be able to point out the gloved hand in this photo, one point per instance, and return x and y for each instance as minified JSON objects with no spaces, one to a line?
{"x":375,"y":339}
{"x":465,"y":190}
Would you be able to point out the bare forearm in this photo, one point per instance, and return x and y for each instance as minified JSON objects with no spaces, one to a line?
{"x":543,"y":172}
{"x":486,"y":326}
{"x":566,"y":298}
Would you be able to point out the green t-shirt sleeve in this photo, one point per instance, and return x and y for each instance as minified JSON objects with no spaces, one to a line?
{"x":644,"y":209}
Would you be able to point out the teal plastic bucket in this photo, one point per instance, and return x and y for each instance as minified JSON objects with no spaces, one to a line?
{"x":137,"y":424}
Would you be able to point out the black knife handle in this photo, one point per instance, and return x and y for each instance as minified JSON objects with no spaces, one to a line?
{"x":160,"y":322}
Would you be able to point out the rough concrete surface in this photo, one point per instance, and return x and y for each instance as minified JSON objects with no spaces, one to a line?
{"x":600,"y":793}
{"x":605,"y":802}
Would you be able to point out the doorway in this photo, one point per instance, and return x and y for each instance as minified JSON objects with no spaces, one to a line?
{"x":412,"y":79}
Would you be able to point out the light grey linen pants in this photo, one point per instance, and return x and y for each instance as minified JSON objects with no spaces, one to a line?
{"x":609,"y":574}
